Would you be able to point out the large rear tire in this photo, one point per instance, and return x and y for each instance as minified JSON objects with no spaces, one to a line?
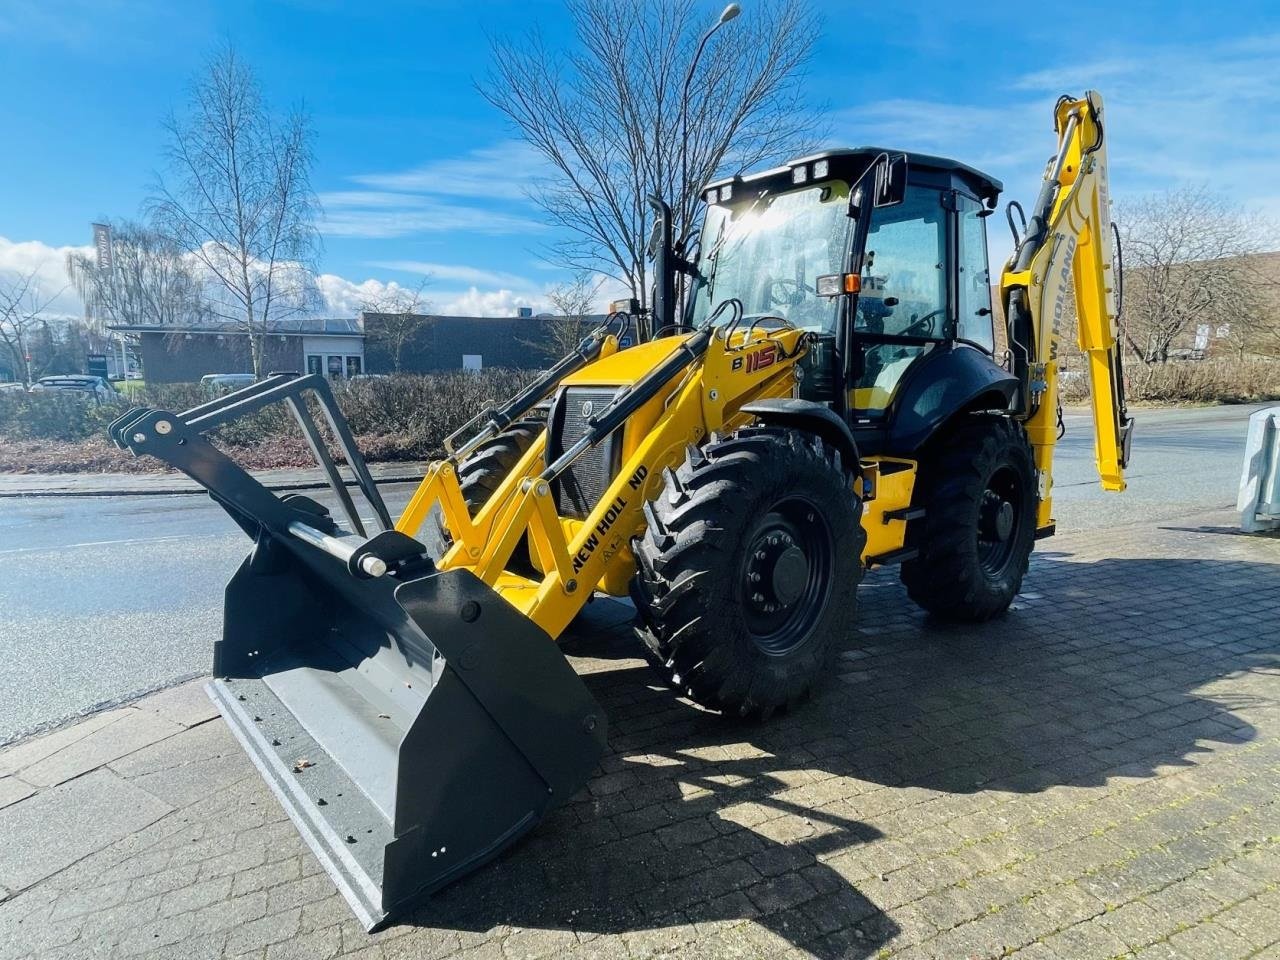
{"x":747,"y":573}
{"x":979,"y":495}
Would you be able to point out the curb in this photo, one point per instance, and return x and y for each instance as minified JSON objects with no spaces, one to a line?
{"x":170,"y":491}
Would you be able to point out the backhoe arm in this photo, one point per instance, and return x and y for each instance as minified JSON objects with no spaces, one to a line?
{"x":1068,"y":240}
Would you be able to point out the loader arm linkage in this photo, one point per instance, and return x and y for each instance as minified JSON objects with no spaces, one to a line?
{"x":573,"y":559}
{"x":1068,"y":244}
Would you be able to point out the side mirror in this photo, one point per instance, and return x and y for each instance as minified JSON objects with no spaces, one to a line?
{"x":888,"y":183}
{"x":664,"y":264}
{"x":655,"y":238}
{"x":890,"y":180}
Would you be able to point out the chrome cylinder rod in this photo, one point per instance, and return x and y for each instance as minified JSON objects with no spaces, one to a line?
{"x":337,"y":547}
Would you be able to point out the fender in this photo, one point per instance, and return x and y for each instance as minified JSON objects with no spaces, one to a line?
{"x":955,"y":378}
{"x":810,"y":416}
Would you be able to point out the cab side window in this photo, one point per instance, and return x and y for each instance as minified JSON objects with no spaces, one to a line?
{"x":904,"y":280}
{"x":974,"y":305}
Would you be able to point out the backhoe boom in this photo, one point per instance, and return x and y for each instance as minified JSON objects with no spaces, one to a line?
{"x":1068,"y":245}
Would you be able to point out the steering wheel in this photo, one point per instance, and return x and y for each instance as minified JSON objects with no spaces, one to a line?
{"x":787,"y":299}
{"x":924,"y":326}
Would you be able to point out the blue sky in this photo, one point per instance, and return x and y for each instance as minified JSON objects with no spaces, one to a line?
{"x":417,"y":173}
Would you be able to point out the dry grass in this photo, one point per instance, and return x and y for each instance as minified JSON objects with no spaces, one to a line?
{"x":1203,"y":381}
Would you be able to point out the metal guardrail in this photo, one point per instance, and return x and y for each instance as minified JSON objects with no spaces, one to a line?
{"x":1259,"y":500}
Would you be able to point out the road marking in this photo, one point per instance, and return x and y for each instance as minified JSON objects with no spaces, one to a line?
{"x":104,"y":543}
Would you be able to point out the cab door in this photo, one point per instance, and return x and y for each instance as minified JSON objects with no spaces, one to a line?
{"x":903,"y":307}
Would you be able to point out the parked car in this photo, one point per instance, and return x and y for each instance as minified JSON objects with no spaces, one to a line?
{"x":223,"y":382}
{"x":98,"y":388}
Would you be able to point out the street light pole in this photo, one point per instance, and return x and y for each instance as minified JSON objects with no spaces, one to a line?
{"x":729,"y":12}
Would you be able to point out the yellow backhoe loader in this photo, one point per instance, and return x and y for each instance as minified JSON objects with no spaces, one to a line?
{"x":831,"y":396}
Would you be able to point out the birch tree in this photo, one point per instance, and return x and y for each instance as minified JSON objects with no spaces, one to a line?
{"x":237,"y":197}
{"x":396,"y":317}
{"x":23,"y":303}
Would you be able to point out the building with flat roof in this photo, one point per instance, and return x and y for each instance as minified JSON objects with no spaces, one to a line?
{"x":183,"y":354}
{"x":341,"y":348}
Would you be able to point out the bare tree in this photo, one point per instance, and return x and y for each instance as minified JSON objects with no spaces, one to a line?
{"x":149,"y":281}
{"x":1189,"y":268}
{"x":607,"y":115}
{"x":396,"y":317}
{"x":239,"y":200}
{"x":22,"y":320}
{"x":572,"y":306}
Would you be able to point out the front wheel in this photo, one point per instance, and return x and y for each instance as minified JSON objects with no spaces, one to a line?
{"x":487,"y":468}
{"x":747,"y":572}
{"x":978,"y":489}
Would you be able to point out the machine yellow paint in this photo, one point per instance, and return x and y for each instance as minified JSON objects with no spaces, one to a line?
{"x":577,"y":557}
{"x":1078,"y":250}
{"x":574,"y":558}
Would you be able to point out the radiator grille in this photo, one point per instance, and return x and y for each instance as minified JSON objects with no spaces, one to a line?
{"x":582,"y":486}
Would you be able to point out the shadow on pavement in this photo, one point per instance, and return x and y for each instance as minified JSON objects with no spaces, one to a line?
{"x":1094,"y":673}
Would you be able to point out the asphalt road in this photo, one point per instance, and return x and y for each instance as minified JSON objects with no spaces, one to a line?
{"x":1184,"y":460}
{"x":103,"y":599}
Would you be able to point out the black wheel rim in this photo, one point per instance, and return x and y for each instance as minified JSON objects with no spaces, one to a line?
{"x":1000,"y":522}
{"x":786,"y":575}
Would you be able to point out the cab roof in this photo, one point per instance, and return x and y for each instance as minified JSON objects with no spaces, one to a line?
{"x":850,"y":163}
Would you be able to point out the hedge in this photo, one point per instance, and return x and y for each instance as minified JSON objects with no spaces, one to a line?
{"x":402,"y":417}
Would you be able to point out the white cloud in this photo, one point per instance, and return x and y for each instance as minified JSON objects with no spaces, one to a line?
{"x":480,"y":292}
{"x":346,"y":298}
{"x":432,"y":198}
{"x":379,"y":220}
{"x":455,"y":272}
{"x":490,"y":303}
{"x":472,"y":291}
{"x":17,"y":259}
{"x":501,"y":170}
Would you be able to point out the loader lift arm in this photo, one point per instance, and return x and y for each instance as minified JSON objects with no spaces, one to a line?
{"x":1068,"y":244}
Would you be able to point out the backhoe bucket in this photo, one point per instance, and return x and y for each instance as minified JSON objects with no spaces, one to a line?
{"x":411,"y":730}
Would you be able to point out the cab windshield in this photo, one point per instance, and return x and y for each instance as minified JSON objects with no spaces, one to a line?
{"x":768,"y":252}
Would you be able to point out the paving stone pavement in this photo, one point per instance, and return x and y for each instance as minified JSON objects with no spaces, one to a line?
{"x":1094,"y":775}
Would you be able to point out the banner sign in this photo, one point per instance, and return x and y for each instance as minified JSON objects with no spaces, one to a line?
{"x":102,"y":241}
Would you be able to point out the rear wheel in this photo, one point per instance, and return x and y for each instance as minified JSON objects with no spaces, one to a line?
{"x":747,"y":572}
{"x":979,"y":495}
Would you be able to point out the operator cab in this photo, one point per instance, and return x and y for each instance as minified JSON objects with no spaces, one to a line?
{"x":888,"y":276}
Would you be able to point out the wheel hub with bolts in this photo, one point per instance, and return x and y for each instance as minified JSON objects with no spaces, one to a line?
{"x":776,"y":571}
{"x":996,"y":517}
{"x":998,"y":522}
{"x":784,"y":575}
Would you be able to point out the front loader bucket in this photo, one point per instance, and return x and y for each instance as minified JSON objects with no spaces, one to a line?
{"x":411,"y":721}
{"x":411,"y":731}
